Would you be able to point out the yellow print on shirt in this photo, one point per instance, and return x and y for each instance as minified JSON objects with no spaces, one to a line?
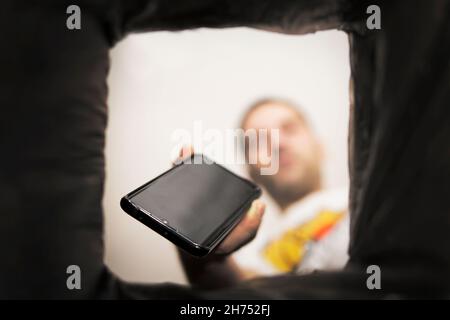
{"x":287,"y":252}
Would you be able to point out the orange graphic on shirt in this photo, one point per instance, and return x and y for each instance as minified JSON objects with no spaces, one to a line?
{"x":287,"y":252}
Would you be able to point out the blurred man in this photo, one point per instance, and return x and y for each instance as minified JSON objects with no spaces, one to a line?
{"x":311,"y":230}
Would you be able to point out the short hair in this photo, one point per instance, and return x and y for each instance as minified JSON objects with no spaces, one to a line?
{"x":265,"y":101}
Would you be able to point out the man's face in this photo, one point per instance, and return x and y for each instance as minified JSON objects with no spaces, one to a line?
{"x":298,"y":150}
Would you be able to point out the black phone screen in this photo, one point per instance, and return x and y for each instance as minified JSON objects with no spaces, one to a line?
{"x":195,"y":199}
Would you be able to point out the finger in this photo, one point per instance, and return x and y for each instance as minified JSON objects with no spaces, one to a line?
{"x":185,"y":152}
{"x":245,"y":231}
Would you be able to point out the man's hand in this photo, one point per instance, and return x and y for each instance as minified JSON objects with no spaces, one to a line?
{"x":219,"y":269}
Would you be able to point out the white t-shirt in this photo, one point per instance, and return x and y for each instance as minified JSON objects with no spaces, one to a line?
{"x":312,"y":234}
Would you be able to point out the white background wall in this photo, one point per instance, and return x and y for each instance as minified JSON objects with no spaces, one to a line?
{"x":162,"y":81}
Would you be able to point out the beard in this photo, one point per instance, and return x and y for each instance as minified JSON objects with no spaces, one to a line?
{"x":288,"y":191}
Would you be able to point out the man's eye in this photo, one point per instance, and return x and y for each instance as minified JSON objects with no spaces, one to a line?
{"x":290,"y":128}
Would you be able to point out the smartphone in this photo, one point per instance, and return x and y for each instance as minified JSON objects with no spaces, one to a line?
{"x":194,"y":205}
